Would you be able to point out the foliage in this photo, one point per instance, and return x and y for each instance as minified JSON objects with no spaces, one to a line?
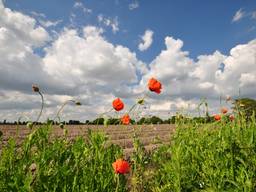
{"x":245,"y":106}
{"x":209,"y":157}
{"x":60,"y":164}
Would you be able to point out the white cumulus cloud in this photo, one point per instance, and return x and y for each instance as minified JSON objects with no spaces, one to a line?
{"x":146,"y":40}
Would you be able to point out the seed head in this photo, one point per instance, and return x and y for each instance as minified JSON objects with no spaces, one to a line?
{"x":35,"y":88}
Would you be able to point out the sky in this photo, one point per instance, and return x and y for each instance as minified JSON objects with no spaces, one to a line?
{"x":95,"y":51}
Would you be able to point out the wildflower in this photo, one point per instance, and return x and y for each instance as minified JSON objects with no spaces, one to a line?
{"x":217,"y":117}
{"x":118,"y":104}
{"x":224,"y":110}
{"x":78,"y":103}
{"x":154,"y":85}
{"x":35,"y":88}
{"x":231,"y":117}
{"x":126,"y":119}
{"x":121,"y":166}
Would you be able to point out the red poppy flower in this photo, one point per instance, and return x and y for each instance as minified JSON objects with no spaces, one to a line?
{"x":118,"y":104}
{"x":126,"y":119}
{"x":224,"y":110}
{"x":121,"y":166}
{"x":154,"y":85}
{"x":217,"y":117}
{"x":231,"y":117}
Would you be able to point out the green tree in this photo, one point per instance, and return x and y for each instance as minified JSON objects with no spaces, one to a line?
{"x":246,"y":106}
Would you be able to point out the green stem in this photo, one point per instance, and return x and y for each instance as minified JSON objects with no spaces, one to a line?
{"x":42,"y":106}
{"x":61,"y":108}
{"x":117,"y":183}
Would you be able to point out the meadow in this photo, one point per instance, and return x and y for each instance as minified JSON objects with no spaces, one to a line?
{"x":188,"y":156}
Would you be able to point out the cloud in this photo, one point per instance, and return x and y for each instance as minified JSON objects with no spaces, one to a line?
{"x":88,"y":59}
{"x":238,"y":15}
{"x":36,"y":14}
{"x":185,"y":79}
{"x":113,"y":23}
{"x":49,"y":23}
{"x":19,"y":35}
{"x":147,"y":40}
{"x":22,"y":27}
{"x":84,"y":65}
{"x":80,"y":5}
{"x":134,"y":5}
{"x":254,"y":14}
{"x":240,"y":70}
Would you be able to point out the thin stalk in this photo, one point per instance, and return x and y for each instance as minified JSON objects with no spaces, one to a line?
{"x":42,"y":106}
{"x":117,"y":186}
{"x":61,"y":108}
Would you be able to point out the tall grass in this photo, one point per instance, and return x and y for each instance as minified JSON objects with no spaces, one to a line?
{"x":44,"y":164}
{"x":213,"y":157}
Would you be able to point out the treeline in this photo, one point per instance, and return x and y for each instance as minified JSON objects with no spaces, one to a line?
{"x":244,"y":106}
{"x":115,"y":121}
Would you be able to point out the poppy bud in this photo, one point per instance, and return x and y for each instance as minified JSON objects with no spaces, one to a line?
{"x":141,"y":101}
{"x":78,"y":103}
{"x":29,"y":125}
{"x":61,"y":125}
{"x":35,"y":88}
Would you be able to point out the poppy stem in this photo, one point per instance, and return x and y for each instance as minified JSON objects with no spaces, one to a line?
{"x":132,"y":107}
{"x":117,"y":183}
{"x":61,"y":108}
{"x":42,"y":106}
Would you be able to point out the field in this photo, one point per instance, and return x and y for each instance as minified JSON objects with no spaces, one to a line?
{"x":151,"y":136}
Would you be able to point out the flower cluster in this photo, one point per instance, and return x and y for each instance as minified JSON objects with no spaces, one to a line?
{"x":224,"y":111}
{"x":153,"y":85}
{"x":121,"y":166}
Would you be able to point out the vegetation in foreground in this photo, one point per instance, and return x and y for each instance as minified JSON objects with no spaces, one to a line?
{"x":218,"y":156}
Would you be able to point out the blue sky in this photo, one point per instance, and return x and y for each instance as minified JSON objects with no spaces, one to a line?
{"x":96,"y":51}
{"x":204,"y":26}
